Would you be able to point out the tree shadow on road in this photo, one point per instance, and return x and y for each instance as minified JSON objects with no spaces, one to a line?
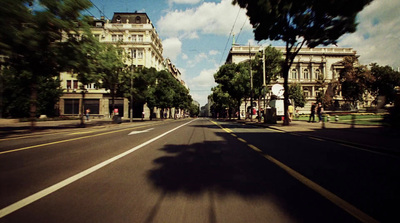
{"x":225,"y":169}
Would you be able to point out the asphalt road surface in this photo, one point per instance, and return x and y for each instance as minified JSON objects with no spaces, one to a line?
{"x":193,"y":170}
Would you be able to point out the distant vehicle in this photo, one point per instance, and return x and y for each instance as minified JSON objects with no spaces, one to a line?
{"x":277,"y":91}
{"x":279,"y":106}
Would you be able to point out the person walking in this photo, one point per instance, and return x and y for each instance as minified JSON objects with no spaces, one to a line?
{"x":290,"y":110}
{"x":312,"y":114}
{"x":87,"y":114}
{"x":320,"y":109}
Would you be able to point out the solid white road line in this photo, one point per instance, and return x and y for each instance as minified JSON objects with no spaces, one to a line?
{"x":34,"y":197}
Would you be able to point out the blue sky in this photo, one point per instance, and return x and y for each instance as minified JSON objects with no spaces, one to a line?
{"x":196,"y":34}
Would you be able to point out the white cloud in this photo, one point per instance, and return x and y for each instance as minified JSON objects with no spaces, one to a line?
{"x":197,"y":59}
{"x":200,"y":86}
{"x":207,"y":18}
{"x":184,"y":1}
{"x":213,"y":52}
{"x":172,"y":48}
{"x":184,"y":56}
{"x":377,"y":38}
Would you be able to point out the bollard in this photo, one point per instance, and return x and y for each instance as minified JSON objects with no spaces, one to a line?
{"x":336,"y":118}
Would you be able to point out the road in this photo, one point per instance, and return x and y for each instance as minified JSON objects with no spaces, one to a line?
{"x":193,"y":170}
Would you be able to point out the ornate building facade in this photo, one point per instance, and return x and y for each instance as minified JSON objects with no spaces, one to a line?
{"x":309,"y":64}
{"x":136,"y":35}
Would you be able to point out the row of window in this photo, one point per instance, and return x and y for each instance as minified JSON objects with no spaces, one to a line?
{"x":120,"y":38}
{"x":136,"y":53}
{"x":305,"y":75}
{"x":74,"y":84}
{"x":71,"y":106}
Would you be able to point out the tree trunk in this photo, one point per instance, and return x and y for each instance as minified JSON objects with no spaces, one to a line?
{"x":239,"y":111}
{"x":259,"y":108}
{"x":33,"y":105}
{"x":82,"y":124}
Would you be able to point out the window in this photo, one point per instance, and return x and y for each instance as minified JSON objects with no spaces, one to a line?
{"x":97,"y":36}
{"x":120,"y":38}
{"x":75,"y":84}
{"x":140,"y":54}
{"x":68,"y":84}
{"x":137,"y":20}
{"x":118,"y":19}
{"x":294,"y":74}
{"x":140,"y":38}
{"x":99,"y":24}
{"x":133,"y":38}
{"x":317,"y":73}
{"x":114,"y":38}
{"x":93,"y":105}
{"x":133,"y":53}
{"x":306,"y":76}
{"x":90,"y":86}
{"x":71,"y":106}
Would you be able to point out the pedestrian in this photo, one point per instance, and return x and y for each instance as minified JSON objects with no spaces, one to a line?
{"x":320,"y":109}
{"x":290,"y":111}
{"x":312,"y":114}
{"x":87,"y":114}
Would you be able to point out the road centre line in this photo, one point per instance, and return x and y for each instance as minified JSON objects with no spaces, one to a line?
{"x":349,"y":208}
{"x":78,"y":133}
{"x":69,"y":140}
{"x":34,"y":197}
{"x":318,"y":139}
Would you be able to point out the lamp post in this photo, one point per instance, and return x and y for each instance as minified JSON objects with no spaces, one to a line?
{"x":131,"y":109}
{"x":251,"y":86}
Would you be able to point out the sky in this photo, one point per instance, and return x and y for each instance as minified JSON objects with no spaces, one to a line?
{"x":197,"y":34}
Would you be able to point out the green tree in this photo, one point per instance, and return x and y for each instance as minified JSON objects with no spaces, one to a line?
{"x":386,"y":79}
{"x":110,"y":68}
{"x":161,"y":92}
{"x":356,"y":80}
{"x":181,"y":99}
{"x":136,"y":84}
{"x":299,"y":23}
{"x":85,"y":52}
{"x":272,"y":62}
{"x":221,"y":101}
{"x":30,"y":39}
{"x":297,"y":95}
{"x":194,"y":110}
{"x":234,"y":80}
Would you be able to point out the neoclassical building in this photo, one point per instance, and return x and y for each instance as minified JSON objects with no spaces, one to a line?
{"x":307,"y":66}
{"x":133,"y":32}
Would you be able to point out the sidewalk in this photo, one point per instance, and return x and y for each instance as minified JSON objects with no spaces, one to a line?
{"x":376,"y":138}
{"x":12,"y":126}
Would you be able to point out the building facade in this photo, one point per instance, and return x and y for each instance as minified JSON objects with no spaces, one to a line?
{"x":308,"y":65}
{"x":136,"y":35}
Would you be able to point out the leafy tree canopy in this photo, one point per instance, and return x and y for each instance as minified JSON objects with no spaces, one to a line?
{"x":298,"y":23}
{"x":297,"y":95}
{"x":356,"y":80}
{"x":386,"y":79}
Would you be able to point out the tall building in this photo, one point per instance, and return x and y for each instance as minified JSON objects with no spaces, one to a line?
{"x":132,"y":32}
{"x":307,"y":66}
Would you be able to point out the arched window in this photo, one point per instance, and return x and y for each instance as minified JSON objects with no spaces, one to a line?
{"x":317,"y":73}
{"x":137,"y":20}
{"x":118,"y":19}
{"x":294,"y":74}
{"x":306,"y":76}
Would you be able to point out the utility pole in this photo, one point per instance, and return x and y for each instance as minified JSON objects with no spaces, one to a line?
{"x":264,"y":87}
{"x":251,"y":85}
{"x":132,"y":70}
